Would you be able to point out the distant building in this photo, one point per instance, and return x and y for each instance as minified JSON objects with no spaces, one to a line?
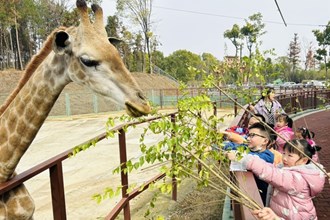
{"x":230,"y":60}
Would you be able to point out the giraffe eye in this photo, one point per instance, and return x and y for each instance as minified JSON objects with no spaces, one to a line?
{"x":88,"y":62}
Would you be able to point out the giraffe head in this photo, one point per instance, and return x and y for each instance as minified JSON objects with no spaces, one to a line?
{"x":92,"y":60}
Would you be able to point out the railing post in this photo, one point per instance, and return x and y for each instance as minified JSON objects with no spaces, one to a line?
{"x":161,"y":98}
{"x":174,"y":183}
{"x":57,"y":190}
{"x":220,"y":102}
{"x":315,"y":100}
{"x":214,"y":108}
{"x":124,"y":177}
{"x":95,"y":103}
{"x":235,"y":107}
{"x":199,"y":165}
{"x":67,"y":104}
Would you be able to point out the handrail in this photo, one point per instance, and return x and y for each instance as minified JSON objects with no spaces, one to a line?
{"x":54,"y":164}
{"x":245,"y":180}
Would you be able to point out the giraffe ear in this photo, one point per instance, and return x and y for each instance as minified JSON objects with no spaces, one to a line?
{"x":114,"y":41}
{"x":61,"y":42}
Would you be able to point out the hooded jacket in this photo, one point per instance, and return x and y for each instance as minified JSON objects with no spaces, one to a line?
{"x":287,"y":133}
{"x":293,"y":187}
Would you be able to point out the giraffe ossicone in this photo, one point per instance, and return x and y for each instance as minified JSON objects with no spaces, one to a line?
{"x":81,"y":54}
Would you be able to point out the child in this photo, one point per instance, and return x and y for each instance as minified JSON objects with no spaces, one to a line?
{"x":304,"y":133}
{"x":283,"y":127}
{"x":258,"y":139}
{"x":236,"y":136}
{"x":294,"y":185}
{"x":272,"y":147}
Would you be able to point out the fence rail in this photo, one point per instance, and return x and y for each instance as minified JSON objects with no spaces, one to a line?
{"x":293,"y":103}
{"x":54,"y":164}
{"x":85,"y":102}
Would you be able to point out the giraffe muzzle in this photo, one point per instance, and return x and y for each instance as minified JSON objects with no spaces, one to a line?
{"x":137,"y":111}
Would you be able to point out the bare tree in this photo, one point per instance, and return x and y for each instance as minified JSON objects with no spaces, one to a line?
{"x":139,"y":11}
{"x":310,"y":59}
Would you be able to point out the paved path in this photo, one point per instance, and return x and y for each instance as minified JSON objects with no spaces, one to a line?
{"x":319,"y":122}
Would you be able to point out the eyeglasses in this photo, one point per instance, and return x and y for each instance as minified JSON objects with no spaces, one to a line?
{"x":252,"y":135}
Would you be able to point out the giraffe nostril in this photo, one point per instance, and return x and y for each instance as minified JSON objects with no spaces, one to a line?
{"x":141,"y":96}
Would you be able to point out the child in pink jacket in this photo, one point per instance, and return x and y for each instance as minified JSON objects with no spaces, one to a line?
{"x":304,"y":133}
{"x":293,"y":186}
{"x":283,"y":127}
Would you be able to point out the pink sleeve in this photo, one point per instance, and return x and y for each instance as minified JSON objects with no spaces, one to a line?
{"x":282,"y":179}
{"x":287,"y":135}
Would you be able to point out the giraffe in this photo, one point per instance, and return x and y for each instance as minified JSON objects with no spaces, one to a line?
{"x":81,"y":54}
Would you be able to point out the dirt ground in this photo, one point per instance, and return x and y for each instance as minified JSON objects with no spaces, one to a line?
{"x":90,"y":172}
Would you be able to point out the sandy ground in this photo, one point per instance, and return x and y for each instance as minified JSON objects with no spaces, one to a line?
{"x":90,"y":171}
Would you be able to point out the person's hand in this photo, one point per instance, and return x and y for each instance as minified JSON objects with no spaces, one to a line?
{"x":265,"y":214}
{"x":231,"y":155}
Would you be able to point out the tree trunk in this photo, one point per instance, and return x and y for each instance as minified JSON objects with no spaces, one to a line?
{"x":11,"y":51}
{"x":20,"y":66}
{"x":149,"y":55}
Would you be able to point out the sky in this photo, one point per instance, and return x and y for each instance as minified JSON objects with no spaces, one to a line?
{"x":198,"y":25}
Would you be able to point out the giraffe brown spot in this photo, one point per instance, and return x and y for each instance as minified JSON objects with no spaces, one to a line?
{"x":20,"y":109}
{"x":52,"y":82}
{"x":21,"y":127}
{"x":55,"y":61}
{"x":29,"y":112}
{"x":14,"y":140}
{"x":32,"y":91}
{"x":27,"y":98}
{"x":3,"y":135}
{"x":37,"y":101}
{"x":61,"y":71}
{"x":47,"y":74}
{"x":80,"y":75}
{"x":12,"y":121}
{"x":43,"y":91}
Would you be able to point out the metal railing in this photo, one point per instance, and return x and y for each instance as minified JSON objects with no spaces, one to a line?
{"x":293,"y":103}
{"x":54,"y":164}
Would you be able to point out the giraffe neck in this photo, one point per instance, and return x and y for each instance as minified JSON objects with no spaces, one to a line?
{"x":23,"y":118}
{"x":31,"y":67}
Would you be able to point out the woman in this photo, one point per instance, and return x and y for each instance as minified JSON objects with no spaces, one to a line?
{"x":268,"y":106}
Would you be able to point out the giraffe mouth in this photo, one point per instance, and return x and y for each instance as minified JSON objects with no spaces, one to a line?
{"x":135,"y":112}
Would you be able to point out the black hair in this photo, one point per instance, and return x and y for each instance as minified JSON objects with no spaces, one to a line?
{"x":286,"y":119}
{"x":264,"y":93}
{"x":305,"y":133}
{"x":259,"y":116}
{"x":273,"y":137}
{"x":263,"y":129}
{"x":272,"y":133}
{"x":267,"y":91}
{"x":302,"y":145}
